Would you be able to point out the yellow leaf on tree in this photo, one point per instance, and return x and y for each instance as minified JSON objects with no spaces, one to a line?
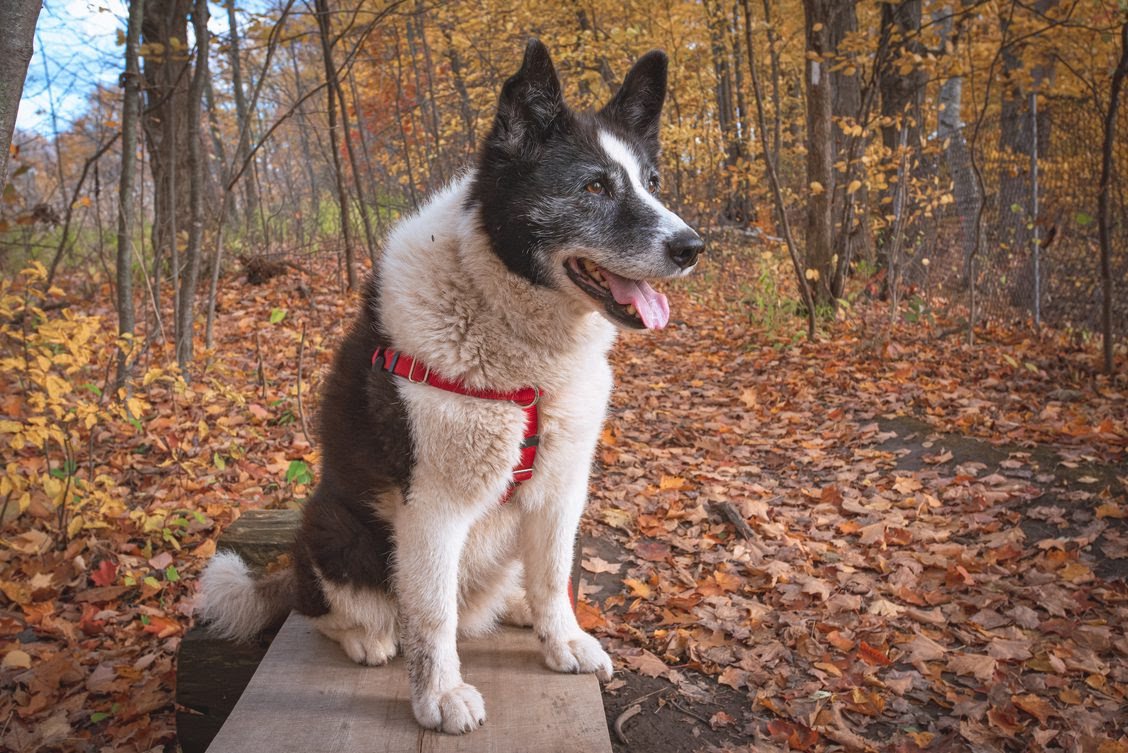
{"x":816,"y":188}
{"x":56,"y":387}
{"x":812,"y":275}
{"x":854,"y":186}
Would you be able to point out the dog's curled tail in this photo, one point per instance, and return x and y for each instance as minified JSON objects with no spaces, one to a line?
{"x":235,"y":605}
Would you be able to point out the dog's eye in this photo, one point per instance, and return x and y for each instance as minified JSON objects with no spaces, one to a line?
{"x":596,"y":187}
{"x":653,"y":184}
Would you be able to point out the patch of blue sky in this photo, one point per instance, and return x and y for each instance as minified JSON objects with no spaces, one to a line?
{"x":79,"y":45}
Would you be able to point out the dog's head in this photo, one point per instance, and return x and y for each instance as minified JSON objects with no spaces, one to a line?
{"x":569,"y":199}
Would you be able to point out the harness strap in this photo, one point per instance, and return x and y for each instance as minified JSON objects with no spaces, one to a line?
{"x":408,"y":368}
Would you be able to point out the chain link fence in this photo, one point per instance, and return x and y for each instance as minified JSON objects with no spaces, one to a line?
{"x":1039,"y":259}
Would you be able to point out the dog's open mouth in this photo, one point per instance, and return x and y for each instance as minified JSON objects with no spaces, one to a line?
{"x":632,"y":302}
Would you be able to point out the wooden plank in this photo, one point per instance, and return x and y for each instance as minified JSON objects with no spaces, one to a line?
{"x":307,"y":695}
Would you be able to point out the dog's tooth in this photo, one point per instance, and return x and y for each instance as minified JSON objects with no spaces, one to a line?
{"x":631,"y":310}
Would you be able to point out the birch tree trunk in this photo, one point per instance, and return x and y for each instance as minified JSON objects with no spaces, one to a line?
{"x":965,"y":191}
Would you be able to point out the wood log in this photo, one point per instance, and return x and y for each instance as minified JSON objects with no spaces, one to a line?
{"x":211,"y":673}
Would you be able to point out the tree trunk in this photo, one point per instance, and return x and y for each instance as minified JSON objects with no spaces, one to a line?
{"x":250,"y":195}
{"x":851,"y":228}
{"x":777,"y":105}
{"x":363,"y":205}
{"x":1104,"y":221}
{"x":164,"y":31}
{"x":773,"y":179}
{"x":965,"y":191}
{"x":130,"y":111}
{"x":322,"y":11}
{"x":902,"y":96}
{"x":17,"y":19}
{"x":820,"y":147}
{"x":185,"y":316}
{"x":303,"y":137}
{"x":719,"y":31}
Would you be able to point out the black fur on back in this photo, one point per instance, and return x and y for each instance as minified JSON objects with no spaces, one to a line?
{"x":366,"y":450}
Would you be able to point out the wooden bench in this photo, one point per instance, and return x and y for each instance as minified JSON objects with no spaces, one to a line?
{"x":295,"y":690}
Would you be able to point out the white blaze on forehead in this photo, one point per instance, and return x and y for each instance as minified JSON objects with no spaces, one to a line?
{"x":621,"y":153}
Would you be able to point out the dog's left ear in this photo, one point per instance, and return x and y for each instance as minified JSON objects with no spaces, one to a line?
{"x":638,"y":104}
{"x":531,"y":101}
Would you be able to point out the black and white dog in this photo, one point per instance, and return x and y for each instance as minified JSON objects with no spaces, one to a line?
{"x":481,"y":348}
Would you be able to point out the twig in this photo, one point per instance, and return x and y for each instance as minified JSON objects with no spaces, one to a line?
{"x":261,"y":368}
{"x":689,"y":713}
{"x":622,"y":719}
{"x":633,"y":709}
{"x":732,"y":515}
{"x":4,"y":509}
{"x":301,"y":409}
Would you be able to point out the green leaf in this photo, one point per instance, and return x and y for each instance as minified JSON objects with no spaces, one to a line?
{"x":1084,"y":219}
{"x":171,"y":574}
{"x":151,"y":582}
{"x":298,"y":473}
{"x":98,"y":716}
{"x":277,"y":315}
{"x":220,"y":463}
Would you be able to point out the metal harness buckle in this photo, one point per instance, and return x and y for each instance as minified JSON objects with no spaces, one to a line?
{"x":536,"y":398}
{"x":411,"y":374}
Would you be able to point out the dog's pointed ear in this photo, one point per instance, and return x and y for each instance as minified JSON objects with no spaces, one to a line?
{"x":531,"y":101}
{"x":637,"y":106}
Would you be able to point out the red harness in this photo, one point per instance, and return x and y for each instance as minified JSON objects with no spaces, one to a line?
{"x":527,"y":398}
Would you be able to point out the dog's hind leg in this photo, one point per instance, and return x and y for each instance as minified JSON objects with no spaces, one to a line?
{"x":500,"y":599}
{"x":362,"y":620}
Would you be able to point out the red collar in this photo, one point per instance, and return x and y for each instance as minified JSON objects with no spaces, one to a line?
{"x":527,"y":398}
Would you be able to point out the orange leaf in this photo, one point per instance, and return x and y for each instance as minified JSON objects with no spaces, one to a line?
{"x":589,"y":616}
{"x":162,"y":627}
{"x":872,"y":655}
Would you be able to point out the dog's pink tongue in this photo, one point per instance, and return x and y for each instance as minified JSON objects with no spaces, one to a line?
{"x":652,"y":306}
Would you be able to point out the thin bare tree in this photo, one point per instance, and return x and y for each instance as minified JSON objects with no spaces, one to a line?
{"x":130,"y":114}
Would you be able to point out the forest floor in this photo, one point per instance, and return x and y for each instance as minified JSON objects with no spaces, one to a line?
{"x":878,"y":541}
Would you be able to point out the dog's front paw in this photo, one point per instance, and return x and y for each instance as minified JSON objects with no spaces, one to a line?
{"x":455,"y":712}
{"x":580,"y":653}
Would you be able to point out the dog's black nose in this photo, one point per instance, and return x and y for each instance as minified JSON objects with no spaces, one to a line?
{"x":683,"y":247}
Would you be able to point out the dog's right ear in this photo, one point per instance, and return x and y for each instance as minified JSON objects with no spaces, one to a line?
{"x":531,"y":101}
